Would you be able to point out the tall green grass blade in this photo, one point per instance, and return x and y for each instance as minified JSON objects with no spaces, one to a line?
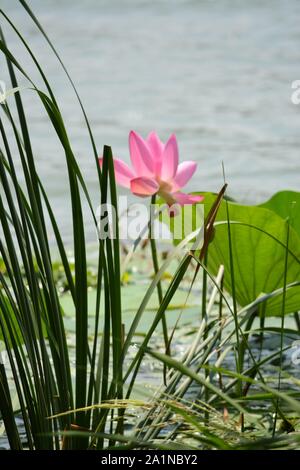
{"x":41,"y":29}
{"x":7,"y":412}
{"x":282,"y":321}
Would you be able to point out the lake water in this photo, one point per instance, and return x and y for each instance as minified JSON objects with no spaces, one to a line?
{"x":217,"y":73}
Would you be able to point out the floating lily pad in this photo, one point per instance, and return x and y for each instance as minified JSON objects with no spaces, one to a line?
{"x":132,"y":296}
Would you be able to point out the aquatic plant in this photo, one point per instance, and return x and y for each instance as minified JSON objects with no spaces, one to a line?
{"x":80,"y":395}
{"x":156,"y":170}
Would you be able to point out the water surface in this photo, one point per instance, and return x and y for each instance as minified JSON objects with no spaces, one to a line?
{"x":218,"y":74}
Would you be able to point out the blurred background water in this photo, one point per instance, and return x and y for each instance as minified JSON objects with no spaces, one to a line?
{"x":217,"y":73}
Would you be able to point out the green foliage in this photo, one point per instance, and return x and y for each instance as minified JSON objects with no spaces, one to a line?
{"x":87,"y":398}
{"x":258,"y":239}
{"x":286,"y":204}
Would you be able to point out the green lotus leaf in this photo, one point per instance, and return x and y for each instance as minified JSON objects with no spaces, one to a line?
{"x":286,"y":204}
{"x":259,"y":250}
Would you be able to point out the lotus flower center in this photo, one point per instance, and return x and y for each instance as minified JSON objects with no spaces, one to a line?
{"x":164,"y":186}
{"x":165,"y":191}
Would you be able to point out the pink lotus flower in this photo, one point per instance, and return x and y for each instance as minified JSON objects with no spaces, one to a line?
{"x":156,"y":170}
